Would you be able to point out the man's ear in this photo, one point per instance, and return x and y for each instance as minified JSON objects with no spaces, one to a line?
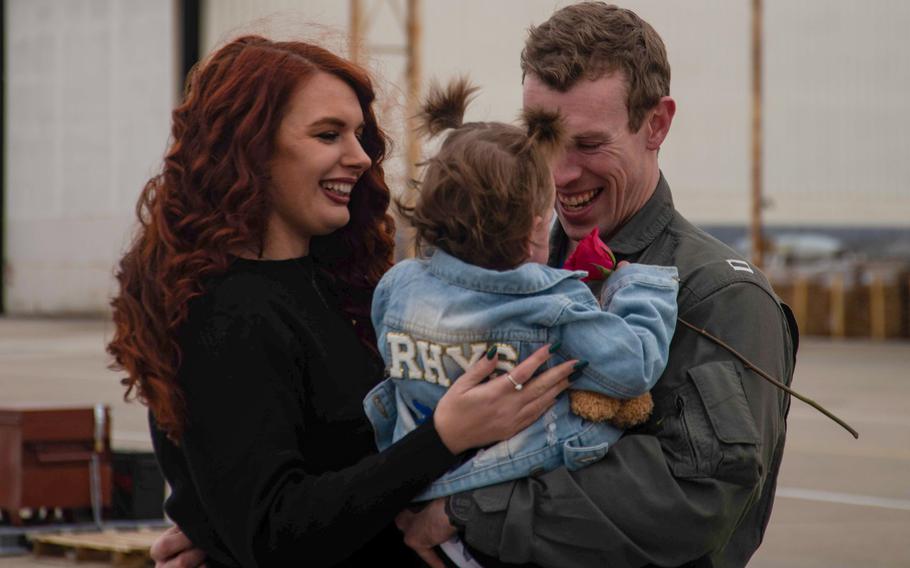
{"x":659,"y":120}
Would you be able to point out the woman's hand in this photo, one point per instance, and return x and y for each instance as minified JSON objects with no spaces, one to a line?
{"x":174,"y":550}
{"x":473,"y":414}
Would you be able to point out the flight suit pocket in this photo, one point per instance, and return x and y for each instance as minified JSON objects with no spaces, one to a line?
{"x":712,"y":432}
{"x":494,"y":498}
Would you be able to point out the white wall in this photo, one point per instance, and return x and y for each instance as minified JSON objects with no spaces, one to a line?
{"x":836,"y":73}
{"x":91,"y":84}
{"x":90,"y":87}
{"x":838,"y":130}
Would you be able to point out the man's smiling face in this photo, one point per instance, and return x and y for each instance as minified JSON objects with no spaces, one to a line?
{"x":607,"y":172}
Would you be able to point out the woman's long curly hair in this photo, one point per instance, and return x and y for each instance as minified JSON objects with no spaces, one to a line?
{"x":211,"y":198}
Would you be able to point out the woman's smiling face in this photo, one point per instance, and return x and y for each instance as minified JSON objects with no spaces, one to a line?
{"x":316,"y":163}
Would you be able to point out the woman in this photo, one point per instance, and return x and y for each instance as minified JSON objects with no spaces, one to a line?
{"x":243,"y":320}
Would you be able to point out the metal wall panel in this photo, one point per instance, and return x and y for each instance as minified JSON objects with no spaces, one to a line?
{"x":91,"y":86}
{"x":835,"y":72}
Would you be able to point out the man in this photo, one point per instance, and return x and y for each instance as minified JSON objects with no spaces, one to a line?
{"x":695,"y":485}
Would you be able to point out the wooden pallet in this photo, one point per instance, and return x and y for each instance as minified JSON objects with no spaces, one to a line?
{"x":120,"y":548}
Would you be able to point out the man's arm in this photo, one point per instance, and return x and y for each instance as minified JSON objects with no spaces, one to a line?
{"x":677,"y":489}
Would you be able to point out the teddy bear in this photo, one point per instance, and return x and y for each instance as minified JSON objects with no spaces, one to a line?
{"x":622,"y":413}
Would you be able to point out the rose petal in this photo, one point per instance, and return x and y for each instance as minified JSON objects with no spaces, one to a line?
{"x":593,"y":256}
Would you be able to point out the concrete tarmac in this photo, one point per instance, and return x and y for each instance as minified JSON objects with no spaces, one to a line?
{"x":842,"y":503}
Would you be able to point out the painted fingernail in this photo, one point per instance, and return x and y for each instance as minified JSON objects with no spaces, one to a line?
{"x":577,"y":369}
{"x":491,"y":352}
{"x":555,"y":345}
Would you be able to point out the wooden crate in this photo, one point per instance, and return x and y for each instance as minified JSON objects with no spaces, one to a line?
{"x":809,"y":298}
{"x":858,"y":300}
{"x":120,"y":548}
{"x":849,"y":308}
{"x":45,"y":456}
{"x":886,"y":304}
{"x":905,"y":302}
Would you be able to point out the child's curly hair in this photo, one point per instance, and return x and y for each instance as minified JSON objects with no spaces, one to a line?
{"x":481,"y":192}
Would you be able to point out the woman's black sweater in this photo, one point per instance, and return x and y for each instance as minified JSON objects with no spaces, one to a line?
{"x":277,"y":465}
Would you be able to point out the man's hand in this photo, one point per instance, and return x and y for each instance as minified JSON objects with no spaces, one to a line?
{"x":174,"y":550}
{"x":426,"y":529}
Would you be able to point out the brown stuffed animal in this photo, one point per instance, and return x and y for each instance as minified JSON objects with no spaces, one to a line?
{"x":622,"y":413}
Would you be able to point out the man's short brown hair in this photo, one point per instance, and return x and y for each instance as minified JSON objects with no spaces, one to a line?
{"x":592,"y":39}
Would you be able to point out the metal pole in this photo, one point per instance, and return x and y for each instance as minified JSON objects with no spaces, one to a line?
{"x":758,"y":244}
{"x":413,"y":81}
{"x":3,"y":118}
{"x":355,"y":31}
{"x":412,"y":102}
{"x":359,"y":24}
{"x":190,"y":25}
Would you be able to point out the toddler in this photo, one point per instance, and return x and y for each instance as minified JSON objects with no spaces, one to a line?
{"x":482,"y":217}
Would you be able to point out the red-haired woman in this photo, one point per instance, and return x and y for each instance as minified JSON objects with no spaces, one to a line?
{"x":243,"y":320}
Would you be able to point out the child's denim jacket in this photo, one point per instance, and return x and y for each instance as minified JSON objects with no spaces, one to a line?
{"x":435,"y":317}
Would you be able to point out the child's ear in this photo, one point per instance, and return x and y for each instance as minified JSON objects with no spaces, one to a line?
{"x":535,"y":227}
{"x":537,"y":250}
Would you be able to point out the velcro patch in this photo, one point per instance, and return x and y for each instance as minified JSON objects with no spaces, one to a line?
{"x":740,"y":265}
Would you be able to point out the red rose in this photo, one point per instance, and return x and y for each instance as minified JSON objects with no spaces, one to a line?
{"x":593,"y":256}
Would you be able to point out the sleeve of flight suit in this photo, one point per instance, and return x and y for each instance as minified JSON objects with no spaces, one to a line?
{"x":683,"y":487}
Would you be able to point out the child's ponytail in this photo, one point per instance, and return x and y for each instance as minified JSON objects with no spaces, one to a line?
{"x":546,"y":131}
{"x":444,"y":108}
